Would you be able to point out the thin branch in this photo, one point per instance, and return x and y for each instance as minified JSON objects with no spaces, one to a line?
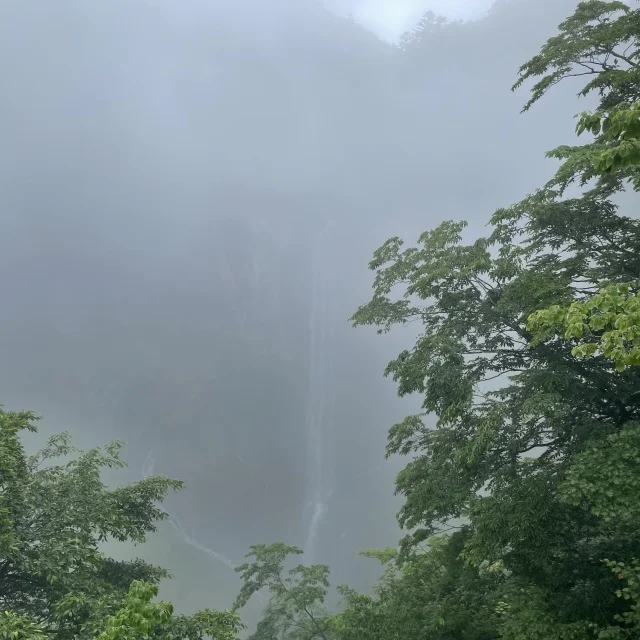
{"x":623,"y":57}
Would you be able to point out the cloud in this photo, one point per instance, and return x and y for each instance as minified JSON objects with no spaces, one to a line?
{"x":391,"y":18}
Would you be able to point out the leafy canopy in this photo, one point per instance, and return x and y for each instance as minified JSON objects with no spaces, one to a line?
{"x":295,"y":610}
{"x":607,"y":323}
{"x":517,"y":424}
{"x":55,"y":512}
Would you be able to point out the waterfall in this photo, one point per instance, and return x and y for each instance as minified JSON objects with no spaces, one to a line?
{"x":190,"y":538}
{"x":319,"y":421}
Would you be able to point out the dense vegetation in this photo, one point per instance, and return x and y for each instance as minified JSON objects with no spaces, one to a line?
{"x":521,"y":501}
{"x":55,"y":512}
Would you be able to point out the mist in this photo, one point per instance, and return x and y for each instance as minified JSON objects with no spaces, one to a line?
{"x":191,"y":192}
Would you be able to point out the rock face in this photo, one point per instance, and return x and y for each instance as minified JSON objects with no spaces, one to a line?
{"x":220,"y":361}
{"x":186,"y":221}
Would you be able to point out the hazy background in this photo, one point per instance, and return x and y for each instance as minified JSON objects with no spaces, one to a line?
{"x":390,"y":19}
{"x":191,"y":192}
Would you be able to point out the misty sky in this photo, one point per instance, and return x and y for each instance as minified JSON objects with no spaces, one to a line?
{"x":390,"y":18}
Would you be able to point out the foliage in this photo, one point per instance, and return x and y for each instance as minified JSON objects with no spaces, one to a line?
{"x":433,"y":594}
{"x":630,"y":574}
{"x":138,"y":619}
{"x":295,"y":610}
{"x":429,"y":26}
{"x":473,"y":302}
{"x":55,"y":582}
{"x":525,"y":615}
{"x":520,"y":435}
{"x":606,"y":478}
{"x":619,"y":129}
{"x":598,"y":41}
{"x":607,"y":324}
{"x":139,"y":616}
{"x":15,"y":627}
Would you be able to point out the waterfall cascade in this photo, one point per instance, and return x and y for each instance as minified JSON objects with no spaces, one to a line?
{"x":319,"y":421}
{"x":320,"y":418}
{"x":190,"y":538}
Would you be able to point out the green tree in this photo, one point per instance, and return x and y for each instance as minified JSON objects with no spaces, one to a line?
{"x":519,"y":418}
{"x":599,"y":42}
{"x":138,"y":618}
{"x":433,"y":594}
{"x":295,"y":610}
{"x":607,"y":323}
{"x":55,"y":512}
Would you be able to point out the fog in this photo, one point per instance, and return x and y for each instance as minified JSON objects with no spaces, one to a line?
{"x":389,"y":20}
{"x":191,"y":192}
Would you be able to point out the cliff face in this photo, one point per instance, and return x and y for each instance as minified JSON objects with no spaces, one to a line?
{"x":187,"y":217}
{"x":215,"y":359}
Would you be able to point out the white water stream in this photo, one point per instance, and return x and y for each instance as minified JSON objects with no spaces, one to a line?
{"x":190,"y":538}
{"x":320,"y":418}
